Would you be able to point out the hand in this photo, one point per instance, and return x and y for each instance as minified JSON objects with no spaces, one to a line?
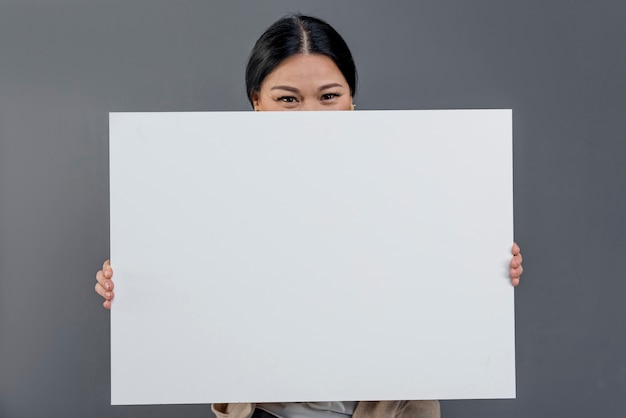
{"x":516,"y":265}
{"x":105,"y":285}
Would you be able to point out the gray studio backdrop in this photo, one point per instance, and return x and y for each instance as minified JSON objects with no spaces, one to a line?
{"x":560,"y":65}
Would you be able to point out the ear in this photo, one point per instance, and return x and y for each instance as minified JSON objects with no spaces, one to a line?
{"x":255,"y":101}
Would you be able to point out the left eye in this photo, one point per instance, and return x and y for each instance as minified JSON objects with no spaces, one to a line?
{"x":329,"y":96}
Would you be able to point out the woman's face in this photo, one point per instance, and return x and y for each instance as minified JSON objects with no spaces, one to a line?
{"x":304,"y":82}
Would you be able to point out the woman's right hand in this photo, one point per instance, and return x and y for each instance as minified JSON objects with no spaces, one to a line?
{"x":105,"y":285}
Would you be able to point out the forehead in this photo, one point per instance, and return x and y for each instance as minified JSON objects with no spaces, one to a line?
{"x":305,"y":69}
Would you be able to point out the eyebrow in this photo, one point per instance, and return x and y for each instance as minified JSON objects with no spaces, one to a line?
{"x":288,"y":88}
{"x":327,"y":86}
{"x":295,"y":90}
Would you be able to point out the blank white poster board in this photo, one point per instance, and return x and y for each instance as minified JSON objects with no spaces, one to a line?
{"x":311,"y":256}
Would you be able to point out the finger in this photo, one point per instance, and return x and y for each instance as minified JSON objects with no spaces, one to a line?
{"x":108,"y":295}
{"x":515,"y":250}
{"x":516,"y":261}
{"x":515,"y":282}
{"x":106,"y":304}
{"x":516,"y":273}
{"x":107,"y":270}
{"x":100,"y":290}
{"x":104,"y":282}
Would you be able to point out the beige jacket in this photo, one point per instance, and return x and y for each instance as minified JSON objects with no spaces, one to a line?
{"x":381,"y":409}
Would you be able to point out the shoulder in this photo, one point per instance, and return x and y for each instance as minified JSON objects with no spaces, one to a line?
{"x":233,"y":410}
{"x":397,"y":409}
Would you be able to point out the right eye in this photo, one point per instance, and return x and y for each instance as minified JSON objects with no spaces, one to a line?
{"x":287,"y":99}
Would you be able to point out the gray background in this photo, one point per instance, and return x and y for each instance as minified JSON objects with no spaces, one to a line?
{"x":559,"y":65}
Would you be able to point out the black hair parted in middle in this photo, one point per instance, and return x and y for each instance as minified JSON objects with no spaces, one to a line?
{"x":297,"y":34}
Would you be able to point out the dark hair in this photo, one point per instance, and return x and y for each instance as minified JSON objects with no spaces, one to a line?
{"x":297,"y":34}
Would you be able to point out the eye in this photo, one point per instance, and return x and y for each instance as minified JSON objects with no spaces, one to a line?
{"x":330,"y":96}
{"x":287,"y":99}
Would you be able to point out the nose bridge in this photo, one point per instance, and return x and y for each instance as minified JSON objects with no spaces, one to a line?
{"x":311,"y":104}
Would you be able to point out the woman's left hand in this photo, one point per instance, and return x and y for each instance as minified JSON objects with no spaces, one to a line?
{"x":516,"y":265}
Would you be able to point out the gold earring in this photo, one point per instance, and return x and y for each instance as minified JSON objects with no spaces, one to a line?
{"x":353,"y":106}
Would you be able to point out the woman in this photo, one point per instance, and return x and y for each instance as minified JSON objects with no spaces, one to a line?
{"x":302,"y":63}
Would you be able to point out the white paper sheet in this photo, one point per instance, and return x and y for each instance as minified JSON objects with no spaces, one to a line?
{"x":311,"y":256}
